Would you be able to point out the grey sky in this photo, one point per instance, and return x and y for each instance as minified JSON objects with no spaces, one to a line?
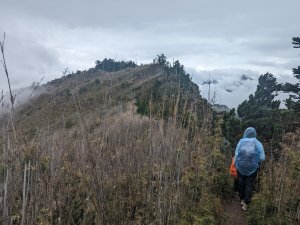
{"x":229,"y":38}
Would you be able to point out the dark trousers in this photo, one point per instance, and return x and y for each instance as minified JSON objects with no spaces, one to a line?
{"x":246,"y":185}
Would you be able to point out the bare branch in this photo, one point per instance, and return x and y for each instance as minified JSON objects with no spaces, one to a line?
{"x":12,"y":97}
{"x":37,"y":86}
{"x":65,"y":71}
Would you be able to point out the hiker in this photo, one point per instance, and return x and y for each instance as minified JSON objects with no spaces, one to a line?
{"x":248,"y":155}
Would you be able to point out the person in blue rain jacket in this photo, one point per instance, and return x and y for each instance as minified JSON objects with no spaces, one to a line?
{"x":248,"y":155}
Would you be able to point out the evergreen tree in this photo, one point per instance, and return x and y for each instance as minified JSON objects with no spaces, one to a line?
{"x":262,"y":111}
{"x":161,"y":60}
{"x":262,"y":102}
{"x":179,"y":69}
{"x":110,"y":65}
{"x":232,"y":128}
{"x":293,"y":102}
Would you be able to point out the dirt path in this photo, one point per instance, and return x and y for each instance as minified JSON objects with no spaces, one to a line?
{"x":233,"y":209}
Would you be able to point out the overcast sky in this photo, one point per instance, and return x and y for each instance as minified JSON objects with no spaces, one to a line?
{"x":235,"y":40}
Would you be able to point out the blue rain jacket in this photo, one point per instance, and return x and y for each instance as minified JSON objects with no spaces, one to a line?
{"x":248,"y":153}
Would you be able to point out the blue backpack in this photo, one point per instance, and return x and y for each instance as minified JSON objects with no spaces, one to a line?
{"x":248,"y":157}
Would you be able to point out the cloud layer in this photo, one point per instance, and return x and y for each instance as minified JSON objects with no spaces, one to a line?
{"x":236,"y":40}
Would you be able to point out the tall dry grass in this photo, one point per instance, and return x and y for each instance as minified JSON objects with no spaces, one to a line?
{"x":278,"y":201}
{"x":120,"y":168}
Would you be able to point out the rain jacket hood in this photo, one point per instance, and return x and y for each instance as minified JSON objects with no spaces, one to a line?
{"x":248,"y":153}
{"x":250,"y":132}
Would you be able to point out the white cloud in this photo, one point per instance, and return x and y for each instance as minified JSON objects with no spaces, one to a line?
{"x":229,"y":38}
{"x":230,"y":88}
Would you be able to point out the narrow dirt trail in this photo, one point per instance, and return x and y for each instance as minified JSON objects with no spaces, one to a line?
{"x":233,"y":209}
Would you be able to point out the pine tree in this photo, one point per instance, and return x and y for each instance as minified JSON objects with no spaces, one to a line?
{"x":262,"y":102}
{"x":293,"y":102}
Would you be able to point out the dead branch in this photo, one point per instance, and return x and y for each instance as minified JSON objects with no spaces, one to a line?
{"x":37,"y":86}
{"x":12,"y":97}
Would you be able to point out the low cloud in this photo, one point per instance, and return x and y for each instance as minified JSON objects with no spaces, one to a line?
{"x":22,"y":96}
{"x":43,"y":38}
{"x":230,"y":89}
{"x":245,"y":77}
{"x":237,"y":83}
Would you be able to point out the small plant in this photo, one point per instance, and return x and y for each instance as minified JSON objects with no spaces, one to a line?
{"x":69,"y":123}
{"x":65,"y":92}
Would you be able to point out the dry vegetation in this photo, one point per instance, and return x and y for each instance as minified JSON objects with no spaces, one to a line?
{"x":80,"y":154}
{"x":136,"y":146}
{"x":278,"y":201}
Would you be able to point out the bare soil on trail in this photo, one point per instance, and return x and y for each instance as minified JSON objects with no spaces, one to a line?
{"x":234,"y":212}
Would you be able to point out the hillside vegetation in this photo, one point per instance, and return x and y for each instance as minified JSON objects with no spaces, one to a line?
{"x":133,"y":146}
{"x":128,"y":144}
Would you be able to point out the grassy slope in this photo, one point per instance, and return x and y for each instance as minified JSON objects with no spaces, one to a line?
{"x":96,"y":93}
{"x":88,"y":157}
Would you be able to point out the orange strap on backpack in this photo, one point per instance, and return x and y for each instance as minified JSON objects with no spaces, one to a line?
{"x":232,"y":170}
